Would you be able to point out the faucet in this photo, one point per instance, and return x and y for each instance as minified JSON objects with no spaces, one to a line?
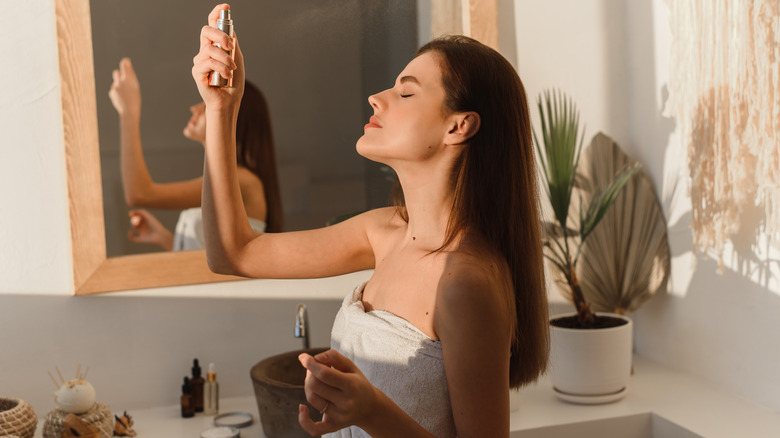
{"x":302,"y":325}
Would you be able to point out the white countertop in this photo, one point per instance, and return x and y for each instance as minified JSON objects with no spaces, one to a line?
{"x":680,"y":398}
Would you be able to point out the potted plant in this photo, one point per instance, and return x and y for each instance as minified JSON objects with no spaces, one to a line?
{"x":590,"y":353}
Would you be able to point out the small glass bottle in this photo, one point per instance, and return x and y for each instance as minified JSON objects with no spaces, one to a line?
{"x":197,"y":386}
{"x":211,"y":392}
{"x":187,"y":408}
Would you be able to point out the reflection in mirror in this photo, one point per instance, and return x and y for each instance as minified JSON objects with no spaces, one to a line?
{"x":316,"y":62}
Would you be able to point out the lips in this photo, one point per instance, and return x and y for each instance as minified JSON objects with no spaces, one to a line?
{"x":373,"y":122}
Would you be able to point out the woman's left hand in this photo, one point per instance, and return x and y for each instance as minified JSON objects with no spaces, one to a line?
{"x":335,"y":386}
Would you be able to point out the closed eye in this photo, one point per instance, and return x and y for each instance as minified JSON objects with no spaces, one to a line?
{"x":407,"y":95}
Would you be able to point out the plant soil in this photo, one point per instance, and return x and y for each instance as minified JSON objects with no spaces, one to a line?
{"x":602,"y":322}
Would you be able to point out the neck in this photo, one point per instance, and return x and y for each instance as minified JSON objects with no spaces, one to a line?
{"x":428,"y":199}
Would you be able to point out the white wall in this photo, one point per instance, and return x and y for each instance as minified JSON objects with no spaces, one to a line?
{"x":34,"y":225}
{"x":611,"y":57}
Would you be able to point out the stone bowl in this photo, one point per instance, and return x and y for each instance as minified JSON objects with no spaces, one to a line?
{"x":278,"y":383}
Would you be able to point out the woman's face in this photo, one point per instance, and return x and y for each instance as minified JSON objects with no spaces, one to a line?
{"x":196,"y":127}
{"x":410,"y":120}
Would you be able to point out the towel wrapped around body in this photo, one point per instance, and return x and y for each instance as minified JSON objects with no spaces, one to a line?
{"x":399,"y":359}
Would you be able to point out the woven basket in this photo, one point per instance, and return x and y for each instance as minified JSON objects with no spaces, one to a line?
{"x":99,"y":416}
{"x":17,"y":418}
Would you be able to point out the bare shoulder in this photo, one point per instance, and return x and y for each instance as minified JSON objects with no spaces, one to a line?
{"x":382,"y":222}
{"x":475,"y":288}
{"x":248,"y":181}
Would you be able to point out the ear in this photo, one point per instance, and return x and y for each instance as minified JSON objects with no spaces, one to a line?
{"x":462,"y":128}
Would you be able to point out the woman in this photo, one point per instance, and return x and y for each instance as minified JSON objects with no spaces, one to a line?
{"x":255,"y":158}
{"x":455,"y":311}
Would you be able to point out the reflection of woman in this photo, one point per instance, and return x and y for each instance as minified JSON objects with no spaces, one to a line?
{"x":256,"y":169}
{"x":455,"y":311}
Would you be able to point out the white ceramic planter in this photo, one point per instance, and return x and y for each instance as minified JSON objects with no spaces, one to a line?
{"x":591,"y":366}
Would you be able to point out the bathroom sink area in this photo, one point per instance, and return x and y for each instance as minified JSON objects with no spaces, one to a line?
{"x":647,"y":425}
{"x":278,"y":384}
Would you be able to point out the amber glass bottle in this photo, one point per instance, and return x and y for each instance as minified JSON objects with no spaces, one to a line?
{"x":187,"y":408}
{"x":197,"y":382}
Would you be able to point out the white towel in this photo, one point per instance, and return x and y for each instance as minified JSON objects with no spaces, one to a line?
{"x":189,"y":230}
{"x":397,"y":358}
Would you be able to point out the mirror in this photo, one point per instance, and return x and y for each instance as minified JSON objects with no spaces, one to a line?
{"x":315,"y":61}
{"x":93,"y":271}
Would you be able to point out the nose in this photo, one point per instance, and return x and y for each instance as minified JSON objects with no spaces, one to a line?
{"x":375,"y":101}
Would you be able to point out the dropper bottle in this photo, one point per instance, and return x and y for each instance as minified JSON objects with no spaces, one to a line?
{"x":196,"y":382}
{"x":187,"y":408}
{"x":211,"y":392}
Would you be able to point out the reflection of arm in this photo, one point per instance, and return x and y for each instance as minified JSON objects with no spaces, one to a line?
{"x":139,"y":188}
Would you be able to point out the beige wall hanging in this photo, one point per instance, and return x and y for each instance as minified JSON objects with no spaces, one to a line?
{"x":724,"y":92}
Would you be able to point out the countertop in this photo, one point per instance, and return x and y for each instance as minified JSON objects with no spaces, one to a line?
{"x":678,"y":397}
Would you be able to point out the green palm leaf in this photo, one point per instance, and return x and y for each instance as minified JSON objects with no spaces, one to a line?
{"x":558,"y":150}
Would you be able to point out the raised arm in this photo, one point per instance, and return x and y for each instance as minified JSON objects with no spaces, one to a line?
{"x":232,"y":247}
{"x":139,"y":188}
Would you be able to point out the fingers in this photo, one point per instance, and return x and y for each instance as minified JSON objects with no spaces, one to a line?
{"x":322,"y":371}
{"x":214,"y":14}
{"x":320,"y":394}
{"x":314,"y":428}
{"x":210,"y":35}
{"x":337,"y":360}
{"x":211,"y":58}
{"x":126,"y":67}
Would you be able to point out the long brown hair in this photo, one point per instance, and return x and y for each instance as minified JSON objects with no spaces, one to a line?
{"x":255,"y":151}
{"x":495,"y":187}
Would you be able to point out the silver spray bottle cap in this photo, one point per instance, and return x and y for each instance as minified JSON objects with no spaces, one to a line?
{"x":225,"y":23}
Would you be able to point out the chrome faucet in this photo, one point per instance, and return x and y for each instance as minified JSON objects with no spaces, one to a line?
{"x":302,"y":325}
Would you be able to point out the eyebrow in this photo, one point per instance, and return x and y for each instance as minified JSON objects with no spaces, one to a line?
{"x":406,"y":79}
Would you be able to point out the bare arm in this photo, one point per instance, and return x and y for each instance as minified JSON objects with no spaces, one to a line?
{"x":139,"y":188}
{"x":472,"y":322}
{"x":231,"y":245}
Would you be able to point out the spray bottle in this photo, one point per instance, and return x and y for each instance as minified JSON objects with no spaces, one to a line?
{"x":225,"y":24}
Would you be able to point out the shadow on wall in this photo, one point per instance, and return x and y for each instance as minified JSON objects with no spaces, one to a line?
{"x":725,"y":189}
{"x":722,"y":329}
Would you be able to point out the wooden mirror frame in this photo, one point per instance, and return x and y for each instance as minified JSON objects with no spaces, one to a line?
{"x":93,"y":272}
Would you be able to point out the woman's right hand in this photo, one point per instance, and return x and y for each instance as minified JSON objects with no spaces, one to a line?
{"x":125,"y":92}
{"x":211,"y":58}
